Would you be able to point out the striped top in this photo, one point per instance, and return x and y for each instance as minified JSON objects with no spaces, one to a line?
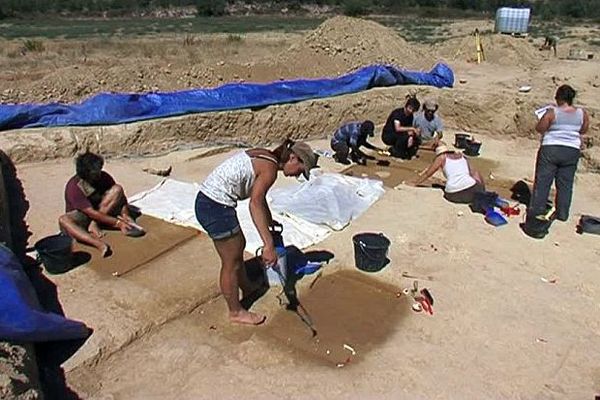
{"x":564,"y":131}
{"x":349,"y":134}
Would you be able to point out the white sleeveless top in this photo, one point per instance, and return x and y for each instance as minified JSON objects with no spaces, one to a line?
{"x":231,"y":181}
{"x":457,"y":175}
{"x":564,"y":131}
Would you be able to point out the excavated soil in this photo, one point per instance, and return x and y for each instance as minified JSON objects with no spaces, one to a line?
{"x":485,"y":100}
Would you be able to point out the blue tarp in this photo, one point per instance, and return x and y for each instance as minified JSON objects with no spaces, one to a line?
{"x":21,"y":317}
{"x":116,"y":108}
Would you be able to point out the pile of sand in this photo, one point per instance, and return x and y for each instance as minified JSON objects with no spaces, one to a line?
{"x":498,"y":49}
{"x":338,"y":46}
{"x":341,"y":44}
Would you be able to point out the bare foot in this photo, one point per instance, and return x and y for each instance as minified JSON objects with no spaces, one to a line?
{"x":246,"y":317}
{"x":95,"y":230}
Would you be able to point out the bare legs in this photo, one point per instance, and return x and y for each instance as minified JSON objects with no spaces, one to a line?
{"x":69,"y":223}
{"x":233,"y":276}
{"x":75,"y":224}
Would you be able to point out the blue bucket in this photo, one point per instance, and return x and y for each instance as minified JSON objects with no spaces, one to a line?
{"x":493,"y":217}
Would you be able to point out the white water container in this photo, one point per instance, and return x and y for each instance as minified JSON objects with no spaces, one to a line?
{"x":512,"y":20}
{"x":272,"y":276}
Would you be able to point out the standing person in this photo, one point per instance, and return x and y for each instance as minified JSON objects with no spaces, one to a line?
{"x":247,"y":174}
{"x":92,"y":199}
{"x":349,"y":138}
{"x":429,"y":124}
{"x":561,"y":128}
{"x":462,"y":181}
{"x":399,"y":132}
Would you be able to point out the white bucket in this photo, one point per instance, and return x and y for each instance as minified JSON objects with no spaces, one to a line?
{"x":272,"y":276}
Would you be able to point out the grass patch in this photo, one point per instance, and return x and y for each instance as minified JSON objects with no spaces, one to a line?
{"x":231,"y":38}
{"x":593,"y":42}
{"x":419,"y":30}
{"x":33,"y":45}
{"x":77,"y":29}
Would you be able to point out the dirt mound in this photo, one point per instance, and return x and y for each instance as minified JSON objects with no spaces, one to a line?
{"x":498,"y":49}
{"x":343,"y":43}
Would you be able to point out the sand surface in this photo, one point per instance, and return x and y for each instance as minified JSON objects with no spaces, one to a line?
{"x":500,"y":329}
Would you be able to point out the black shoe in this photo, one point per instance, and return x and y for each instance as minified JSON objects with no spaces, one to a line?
{"x":535,"y":227}
{"x":344,"y":161}
{"x":531,"y":232}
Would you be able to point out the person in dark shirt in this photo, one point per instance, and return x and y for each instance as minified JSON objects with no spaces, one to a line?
{"x":399,"y":133}
{"x":348,"y":139}
{"x":92,"y":198}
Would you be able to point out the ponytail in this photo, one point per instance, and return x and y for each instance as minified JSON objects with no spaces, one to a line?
{"x":283,"y":151}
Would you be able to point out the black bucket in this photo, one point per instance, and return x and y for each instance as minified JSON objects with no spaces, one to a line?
{"x":55,"y":253}
{"x":460,"y":140}
{"x":370,"y":251}
{"x":472,"y":148}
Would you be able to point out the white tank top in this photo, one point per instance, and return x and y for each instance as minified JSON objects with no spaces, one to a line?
{"x":564,"y":131}
{"x":231,"y":181}
{"x":457,"y":175}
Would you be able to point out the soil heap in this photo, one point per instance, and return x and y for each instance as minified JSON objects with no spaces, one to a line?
{"x":498,"y":49}
{"x":341,"y":44}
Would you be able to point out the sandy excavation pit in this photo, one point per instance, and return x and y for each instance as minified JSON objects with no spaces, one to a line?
{"x":347,"y":308}
{"x":401,"y":171}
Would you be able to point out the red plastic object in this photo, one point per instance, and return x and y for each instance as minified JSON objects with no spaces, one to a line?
{"x":511,"y":211}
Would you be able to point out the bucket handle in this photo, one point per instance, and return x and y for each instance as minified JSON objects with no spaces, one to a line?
{"x":363,"y":247}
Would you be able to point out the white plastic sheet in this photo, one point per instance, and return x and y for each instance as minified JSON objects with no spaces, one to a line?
{"x":329,"y":199}
{"x":173,"y":201}
{"x":308,"y":211}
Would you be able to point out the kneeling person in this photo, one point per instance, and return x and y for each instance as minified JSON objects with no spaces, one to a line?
{"x":429,"y":125}
{"x":348,"y":139}
{"x":92,"y":198}
{"x":462,"y":181}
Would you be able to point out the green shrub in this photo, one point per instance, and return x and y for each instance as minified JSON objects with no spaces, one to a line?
{"x":234,"y":38}
{"x":355,"y":8}
{"x":210,"y":8}
{"x":33,"y":45}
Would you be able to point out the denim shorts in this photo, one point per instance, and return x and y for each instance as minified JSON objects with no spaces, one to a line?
{"x":218,"y":220}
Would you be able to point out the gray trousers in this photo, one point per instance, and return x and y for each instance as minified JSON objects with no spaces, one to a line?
{"x":554,"y":164}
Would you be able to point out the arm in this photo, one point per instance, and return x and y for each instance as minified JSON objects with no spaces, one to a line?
{"x":433,"y":168}
{"x":586,"y":123}
{"x":266,"y":173}
{"x":404,"y":129}
{"x":475,"y":174}
{"x":545,"y":122}
{"x":370,"y":146}
{"x":102,"y":218}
